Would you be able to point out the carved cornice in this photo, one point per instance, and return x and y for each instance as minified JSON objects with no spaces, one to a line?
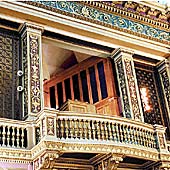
{"x":15,"y":155}
{"x":110,"y":16}
{"x":150,"y":154}
{"x":131,"y":9}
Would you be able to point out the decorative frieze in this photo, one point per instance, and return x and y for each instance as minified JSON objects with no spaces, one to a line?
{"x":106,"y":18}
{"x":50,"y":126}
{"x":32,"y":68}
{"x":128,"y":87}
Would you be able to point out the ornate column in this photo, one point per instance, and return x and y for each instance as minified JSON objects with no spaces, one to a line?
{"x":32,"y":81}
{"x":129,"y":92}
{"x":164,"y":73}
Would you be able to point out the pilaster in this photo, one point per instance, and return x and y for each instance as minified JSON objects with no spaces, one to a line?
{"x":160,"y":138}
{"x":127,"y":82}
{"x":164,"y":73}
{"x":32,"y":81}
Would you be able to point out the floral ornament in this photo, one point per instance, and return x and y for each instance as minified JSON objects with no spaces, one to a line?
{"x":85,"y":11}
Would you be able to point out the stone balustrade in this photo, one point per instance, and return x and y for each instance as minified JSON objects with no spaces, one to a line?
{"x":102,"y":128}
{"x":64,"y":130}
{"x":13,"y":133}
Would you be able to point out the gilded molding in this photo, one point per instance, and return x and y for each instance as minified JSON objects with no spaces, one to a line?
{"x":35,"y":72}
{"x":82,"y":11}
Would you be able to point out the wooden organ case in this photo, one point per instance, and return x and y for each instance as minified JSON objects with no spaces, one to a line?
{"x":85,"y":87}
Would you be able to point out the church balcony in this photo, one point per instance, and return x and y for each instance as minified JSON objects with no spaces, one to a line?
{"x":69,"y":131}
{"x":58,"y":132}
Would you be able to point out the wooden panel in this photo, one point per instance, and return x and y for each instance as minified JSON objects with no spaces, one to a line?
{"x":78,"y":106}
{"x":108,"y":106}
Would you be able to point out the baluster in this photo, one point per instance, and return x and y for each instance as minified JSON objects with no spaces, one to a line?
{"x":62,"y":128}
{"x":106,"y":131}
{"x":3,"y":136}
{"x":144,"y":137}
{"x":148,"y":134}
{"x":117,"y":132}
{"x":57,"y":128}
{"x":110,"y":131}
{"x":93,"y":130}
{"x":75,"y":128}
{"x":102,"y":130}
{"x":137,"y":136}
{"x":13,"y":136}
{"x":114,"y":132}
{"x":85,"y":129}
{"x":18,"y":136}
{"x":8,"y":135}
{"x":22,"y":137}
{"x":133,"y":135}
{"x":147,"y":139}
{"x":98,"y":130}
{"x":153,"y":141}
{"x":140,"y":137}
{"x":71,"y":128}
{"x":89,"y":130}
{"x":134,"y":132}
{"x":81,"y":129}
{"x":66,"y":128}
{"x":121,"y":132}
{"x":78,"y":128}
{"x":150,"y":141}
{"x":128,"y":133}
{"x":125,"y":133}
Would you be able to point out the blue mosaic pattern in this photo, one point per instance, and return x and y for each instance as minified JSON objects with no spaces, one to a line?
{"x":113,"y":20}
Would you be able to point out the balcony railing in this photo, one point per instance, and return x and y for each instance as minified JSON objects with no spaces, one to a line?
{"x":68,"y":127}
{"x":13,"y":133}
{"x":75,"y":126}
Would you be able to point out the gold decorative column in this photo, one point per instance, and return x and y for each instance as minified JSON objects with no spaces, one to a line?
{"x":127,"y":82}
{"x":32,"y":80}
